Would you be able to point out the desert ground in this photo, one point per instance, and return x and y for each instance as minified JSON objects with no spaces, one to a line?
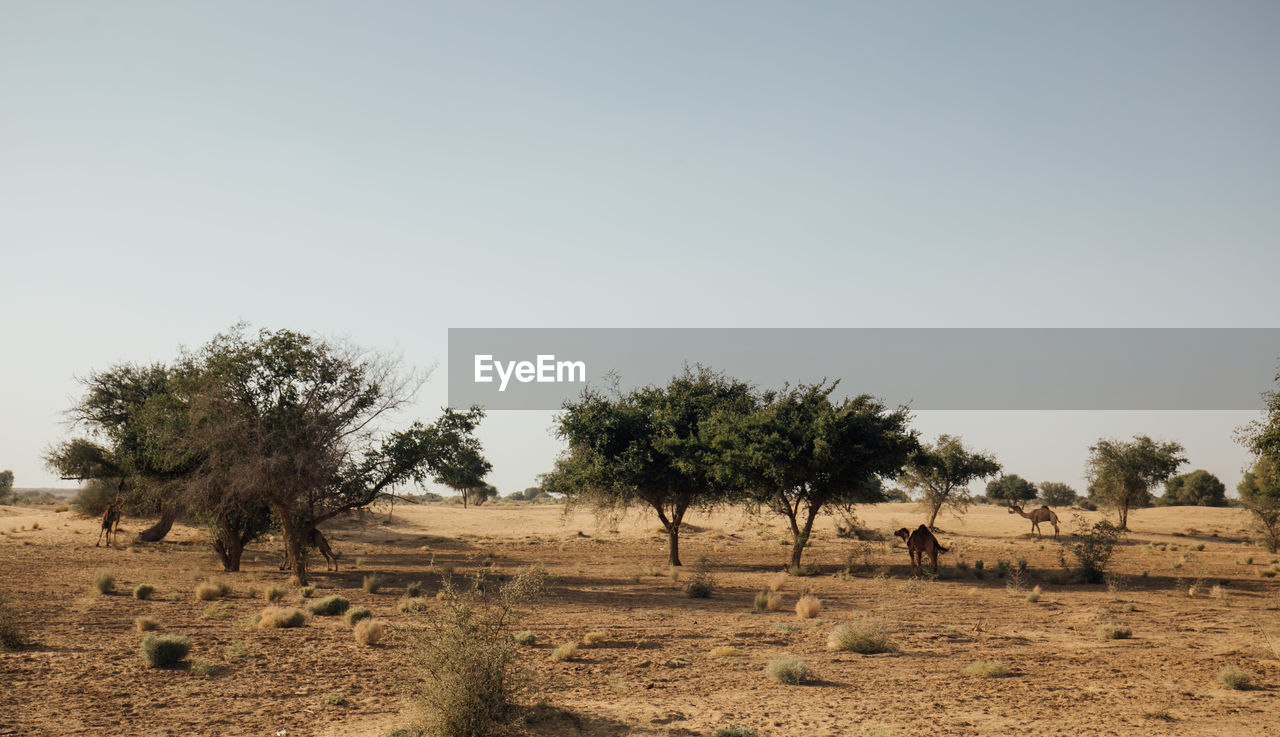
{"x":1189,"y":588}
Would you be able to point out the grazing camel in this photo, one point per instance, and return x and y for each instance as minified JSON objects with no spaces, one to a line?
{"x":919,"y":543}
{"x":314,"y":540}
{"x":110,"y":521}
{"x":1043,"y":514}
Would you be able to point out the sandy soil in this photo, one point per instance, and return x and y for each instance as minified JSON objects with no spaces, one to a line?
{"x":653,"y":674}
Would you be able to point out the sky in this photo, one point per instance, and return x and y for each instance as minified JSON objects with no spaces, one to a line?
{"x":381,"y":172}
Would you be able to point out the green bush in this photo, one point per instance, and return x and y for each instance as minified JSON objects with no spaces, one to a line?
{"x":143,"y":591}
{"x":356,"y":614}
{"x":787,"y":670}
{"x":703,"y":584}
{"x":468,"y":656}
{"x":1094,"y":549}
{"x":163,"y":651}
{"x":329,"y":606}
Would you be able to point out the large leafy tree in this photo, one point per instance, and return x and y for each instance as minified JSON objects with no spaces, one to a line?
{"x":943,"y":471}
{"x":1011,"y":488}
{"x":1198,"y":488}
{"x":293,"y":422}
{"x":1057,"y":494}
{"x":800,"y":453}
{"x":647,"y":448}
{"x":1260,"y":494}
{"x":1122,"y":473}
{"x":6,"y":485}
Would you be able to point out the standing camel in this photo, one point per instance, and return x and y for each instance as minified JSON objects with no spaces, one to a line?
{"x":315,"y":540}
{"x":1043,"y":514}
{"x":919,"y":543}
{"x":110,"y":521}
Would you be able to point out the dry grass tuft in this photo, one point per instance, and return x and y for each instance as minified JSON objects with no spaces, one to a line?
{"x":373,"y":583}
{"x":329,"y":606}
{"x":1234,"y":678}
{"x":725,"y":651}
{"x":281,"y":618}
{"x":808,"y":606}
{"x":164,"y":651}
{"x":1034,"y":595}
{"x":413,"y":589}
{"x":1114,"y":632}
{"x":867,"y":638}
{"x":987,"y":669}
{"x":414,"y":605}
{"x":356,"y":614}
{"x":274,"y":594}
{"x":592,"y":638}
{"x":565,"y":652}
{"x":368,"y":632}
{"x":210,"y":590}
{"x":143,"y":591}
{"x":104,"y":582}
{"x":787,"y":670}
{"x":778,"y":581}
{"x":145,"y":624}
{"x":526,"y":638}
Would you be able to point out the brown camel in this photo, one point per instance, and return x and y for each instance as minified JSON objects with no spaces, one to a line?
{"x":314,"y":540}
{"x":1043,"y":514}
{"x":110,"y":521}
{"x":919,"y":543}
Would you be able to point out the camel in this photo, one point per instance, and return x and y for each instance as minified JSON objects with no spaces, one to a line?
{"x":919,"y":543}
{"x":315,"y":540}
{"x":1043,"y":514}
{"x":110,"y":521}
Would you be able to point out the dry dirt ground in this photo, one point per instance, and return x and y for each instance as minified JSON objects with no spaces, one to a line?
{"x":653,"y":673}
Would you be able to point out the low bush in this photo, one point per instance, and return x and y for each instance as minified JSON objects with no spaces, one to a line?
{"x":355,"y":614}
{"x":526,"y":638}
{"x":373,"y":583}
{"x":281,"y":618}
{"x":703,"y":584}
{"x":725,"y":651}
{"x":415,"y":605}
{"x":143,"y":591}
{"x":164,"y":651}
{"x":866,"y":638}
{"x":329,"y":606}
{"x":567,"y":651}
{"x":787,"y":670}
{"x":1114,"y":632}
{"x":210,"y":590}
{"x":594,"y":638}
{"x":987,"y":669}
{"x":274,"y":594}
{"x":1234,"y":678}
{"x":734,"y":732}
{"x":104,"y":582}
{"x":145,"y":624}
{"x":413,"y":589}
{"x":808,"y":606}
{"x":11,"y":636}
{"x":368,"y":632}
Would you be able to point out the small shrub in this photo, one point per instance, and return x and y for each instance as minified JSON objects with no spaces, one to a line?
{"x":413,"y":589}
{"x":355,"y":614}
{"x":725,"y":651}
{"x":210,"y":590}
{"x":987,"y":669}
{"x":808,"y":606}
{"x":1234,"y":678}
{"x":734,"y":732}
{"x":334,"y":699}
{"x":703,"y":584}
{"x":787,"y":670}
{"x":1034,"y":595}
{"x":104,"y":582}
{"x":1094,"y":550}
{"x":415,"y":605}
{"x":145,"y":624}
{"x":866,"y":638}
{"x":11,"y":636}
{"x":592,"y":638}
{"x":329,"y":606}
{"x":1114,"y":632}
{"x":526,"y":638}
{"x":778,"y":581}
{"x":163,"y":651}
{"x":306,"y":591}
{"x":143,"y":591}
{"x":368,"y":632}
{"x":274,"y":594}
{"x":373,"y":583}
{"x":281,"y":618}
{"x":568,"y":651}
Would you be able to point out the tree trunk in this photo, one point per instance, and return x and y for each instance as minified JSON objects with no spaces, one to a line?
{"x":933,"y":513}
{"x":293,"y":546}
{"x":157,"y":532}
{"x":802,"y":538}
{"x":230,"y":553}
{"x":1124,"y":517}
{"x":673,"y":544}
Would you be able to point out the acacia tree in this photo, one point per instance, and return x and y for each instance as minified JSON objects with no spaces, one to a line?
{"x":800,"y":453}
{"x":1122,"y":473}
{"x":1011,"y":488}
{"x":1057,"y":494}
{"x":6,"y":484}
{"x":647,"y":448}
{"x":290,"y":421}
{"x":942,"y":473}
{"x":1260,"y":494}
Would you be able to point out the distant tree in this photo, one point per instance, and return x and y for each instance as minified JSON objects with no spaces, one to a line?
{"x":1011,"y":488}
{"x":1260,"y":494}
{"x":800,"y":453}
{"x":943,"y":471}
{"x":6,"y":485}
{"x":647,"y":448}
{"x":1199,"y":488}
{"x":1057,"y":494}
{"x":1262,"y":437}
{"x":895,"y":494}
{"x":1121,"y":473}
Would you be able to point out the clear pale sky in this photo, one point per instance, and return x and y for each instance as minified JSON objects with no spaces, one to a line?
{"x":384,"y":171}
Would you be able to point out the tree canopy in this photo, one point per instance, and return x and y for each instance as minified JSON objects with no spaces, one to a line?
{"x":1057,"y":494}
{"x":800,"y":452}
{"x":1011,"y":488}
{"x":1122,"y":473}
{"x":1198,"y":488}
{"x":943,"y":471}
{"x":6,"y":485}
{"x":1260,"y":494}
